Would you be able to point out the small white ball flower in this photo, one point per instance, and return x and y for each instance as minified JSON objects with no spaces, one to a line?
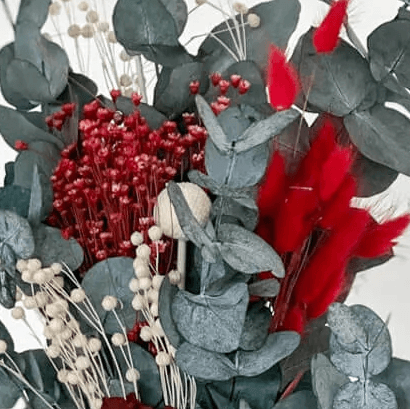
{"x":57,"y":282}
{"x":155,"y":233}
{"x":254,"y":20}
{"x":157,"y":281}
{"x":65,"y":334}
{"x":163,"y":359}
{"x":125,"y":80}
{"x":40,"y":277}
{"x":143,"y":251}
{"x":53,"y":310}
{"x":153,"y":295}
{"x":53,"y":351}
{"x":94,"y":345}
{"x":27,"y":276}
{"x":118,"y":339}
{"x":111,"y":38}
{"x":145,"y":283}
{"x":138,"y":302}
{"x":132,"y":375}
{"x":73,"y":378}
{"x":29,"y":303}
{"x":109,"y":303}
{"x":92,"y":17}
{"x":57,"y":268}
{"x":62,"y":375}
{"x":56,"y":325}
{"x":87,"y":31}
{"x":82,"y":362}
{"x":134,"y":285}
{"x":137,"y":238}
{"x":154,"y":309}
{"x":146,"y":334}
{"x":83,"y":6}
{"x":3,"y":346}
{"x":103,"y":26}
{"x":174,"y":277}
{"x":80,"y":341}
{"x":41,"y":299}
{"x":77,"y":295}
{"x":142,"y":271}
{"x":54,"y":9}
{"x":33,"y":265}
{"x":74,"y":31}
{"x":18,"y":313}
{"x":164,"y":212}
{"x":21,"y":265}
{"x":240,"y":8}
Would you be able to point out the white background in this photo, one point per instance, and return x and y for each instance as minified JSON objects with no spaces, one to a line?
{"x":385,"y":289}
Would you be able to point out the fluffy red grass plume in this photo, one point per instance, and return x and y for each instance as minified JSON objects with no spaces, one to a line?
{"x":283,"y":84}
{"x":326,"y":36}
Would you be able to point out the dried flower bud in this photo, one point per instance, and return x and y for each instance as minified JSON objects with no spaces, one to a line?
{"x":77,"y":295}
{"x":29,"y":303}
{"x":80,"y":341}
{"x":87,"y":31}
{"x":155,"y":233}
{"x":137,"y":238}
{"x":18,"y":313}
{"x":146,"y":334}
{"x":82,"y":362}
{"x":3,"y":346}
{"x":164,"y":212}
{"x":174,"y":277}
{"x":92,"y":17}
{"x":111,"y":37}
{"x":125,"y":80}
{"x":143,"y":251}
{"x":27,"y":276}
{"x":56,"y":325}
{"x":132,"y":375}
{"x":253,"y":20}
{"x":118,"y":339}
{"x":145,"y":283}
{"x":21,"y":265}
{"x":240,"y":8}
{"x":103,"y":26}
{"x":73,"y":378}
{"x":157,"y":281}
{"x":33,"y":265}
{"x":74,"y":31}
{"x":94,"y":345}
{"x":53,"y":351}
{"x":62,"y":375}
{"x":138,"y":302}
{"x":134,"y":285}
{"x":109,"y":303}
{"x":163,"y":359}
{"x":83,"y":6}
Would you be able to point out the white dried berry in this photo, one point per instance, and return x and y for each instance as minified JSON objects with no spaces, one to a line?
{"x":62,"y":375}
{"x":53,"y":351}
{"x":96,"y":403}
{"x":111,"y":38}
{"x":77,"y":295}
{"x":21,"y":265}
{"x":94,"y":345}
{"x":134,"y":285}
{"x":146,"y":334}
{"x":33,"y":265}
{"x":18,"y":313}
{"x":56,"y":325}
{"x":109,"y":303}
{"x":118,"y":339}
{"x":132,"y":375}
{"x":57,"y":282}
{"x":125,"y":80}
{"x":74,"y":31}
{"x":82,"y":362}
{"x":155,"y":233}
{"x":142,"y":271}
{"x":154,"y":309}
{"x":87,"y":31}
{"x":240,"y":8}
{"x":174,"y":277}
{"x":143,"y":251}
{"x":92,"y":17}
{"x":164,"y":212}
{"x":73,"y":378}
{"x":138,"y":302}
{"x":163,"y":359}
{"x":65,"y":334}
{"x":137,"y":238}
{"x":80,"y":341}
{"x":145,"y":283}
{"x":41,"y":299}
{"x":83,"y":6}
{"x":124,"y":56}
{"x":157,"y":281}
{"x":54,"y":9}
{"x":29,"y":303}
{"x":254,"y":20}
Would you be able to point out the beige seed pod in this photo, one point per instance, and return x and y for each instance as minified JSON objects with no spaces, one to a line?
{"x":153,"y":295}
{"x":74,"y":31}
{"x":109,"y":303}
{"x":27,"y":276}
{"x":125,"y":80}
{"x":34,"y":264}
{"x":146,"y":334}
{"x":132,"y":375}
{"x":29,"y":303}
{"x":124,"y":56}
{"x":56,"y":325}
{"x":92,"y":17}
{"x":87,"y":31}
{"x":254,"y":20}
{"x":240,"y":8}
{"x":77,"y":295}
{"x":57,"y":268}
{"x":62,"y":375}
{"x":134,"y":285}
{"x":145,"y":283}
{"x":118,"y":339}
{"x":73,"y":378}
{"x":65,"y":334}
{"x":53,"y":351}
{"x":80,"y":341}
{"x":82,"y":362}
{"x":138,"y":302}
{"x":137,"y":238}
{"x":174,"y":277}
{"x":142,"y":271}
{"x":163,"y":359}
{"x":54,"y":9}
{"x":17,"y":313}
{"x":155,"y":233}
{"x":143,"y":251}
{"x":41,"y":299}
{"x":103,"y":26}
{"x":154,"y":309}
{"x":94,"y":345}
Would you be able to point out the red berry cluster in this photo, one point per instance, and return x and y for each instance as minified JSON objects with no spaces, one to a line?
{"x":57,"y":119}
{"x":134,"y":336}
{"x":106,"y":184}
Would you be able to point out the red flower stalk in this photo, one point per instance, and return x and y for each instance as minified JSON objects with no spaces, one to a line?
{"x":306,"y":216}
{"x":283,"y":84}
{"x":326,"y":36}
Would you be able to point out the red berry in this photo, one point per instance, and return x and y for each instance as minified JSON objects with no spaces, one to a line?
{"x":68,"y":108}
{"x":194,"y":87}
{"x":244,"y":86}
{"x":224,"y":86}
{"x":115,"y":93}
{"x":216,"y":78}
{"x":136,"y":98}
{"x":20,"y":145}
{"x":235,"y":80}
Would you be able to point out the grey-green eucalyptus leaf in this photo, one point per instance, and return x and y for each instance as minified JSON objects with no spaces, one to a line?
{"x":247,"y":252}
{"x":368,"y":395}
{"x":298,"y":400}
{"x":36,"y":200}
{"x":204,"y":364}
{"x":9,"y":390}
{"x":35,"y":12}
{"x":265,"y":288}
{"x":212,"y":322}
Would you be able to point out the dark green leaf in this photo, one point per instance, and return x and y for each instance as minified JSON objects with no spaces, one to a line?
{"x":381,"y":134}
{"x":247,"y":252}
{"x":338,"y":82}
{"x":175,"y":97}
{"x":364,"y":396}
{"x":277,"y":346}
{"x":51,"y":247}
{"x":255,"y":328}
{"x":278,"y":20}
{"x":221,"y":401}
{"x":204,"y":364}
{"x":9,"y":391}
{"x":33,"y":11}
{"x":35,"y":213}
{"x":166,"y":295}
{"x":111,"y":277}
{"x":149,"y":384}
{"x":16,"y":199}
{"x":265,"y":288}
{"x":298,"y":400}
{"x":179,"y":11}
{"x":326,"y":380}
{"x":397,"y":377}
{"x":212,"y":322}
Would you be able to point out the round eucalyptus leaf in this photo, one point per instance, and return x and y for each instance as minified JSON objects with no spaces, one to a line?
{"x":212,"y":322}
{"x":179,"y":11}
{"x":265,"y":288}
{"x":35,"y":12}
{"x":111,"y":277}
{"x":367,"y":395}
{"x":9,"y":390}
{"x":15,"y":232}
{"x":204,"y":364}
{"x":15,"y":199}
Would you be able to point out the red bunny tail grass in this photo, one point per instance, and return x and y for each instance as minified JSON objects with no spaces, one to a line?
{"x":326,"y":36}
{"x":336,"y":208}
{"x":378,"y":239}
{"x":334,"y":251}
{"x":283,"y":84}
{"x":295,"y":320}
{"x":334,"y":171}
{"x":273,"y":186}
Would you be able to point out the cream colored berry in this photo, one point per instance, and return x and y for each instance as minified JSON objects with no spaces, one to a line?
{"x":155,"y":233}
{"x":138,"y":302}
{"x":146,"y":334}
{"x":3,"y":346}
{"x":164,"y":212}
{"x":56,"y":325}
{"x":54,"y":9}
{"x":157,"y":328}
{"x":29,"y":303}
{"x":73,"y":378}
{"x":142,"y":271}
{"x":128,"y":92}
{"x":240,"y":8}
{"x":87,"y":31}
{"x":163,"y":359}
{"x":132,"y":375}
{"x":19,"y":294}
{"x":174,"y":277}
{"x":92,"y":17}
{"x":143,"y":251}
{"x":57,"y":268}
{"x":125,"y":80}
{"x":109,"y":303}
{"x":137,"y":238}
{"x":118,"y":339}
{"x":21,"y":265}
{"x":96,"y":403}
{"x":94,"y":345}
{"x":27,"y":276}
{"x":62,"y":375}
{"x":134,"y":285}
{"x":17,"y":313}
{"x":80,"y":341}
{"x":53,"y":351}
{"x":254,"y":20}
{"x":73,"y":324}
{"x":145,"y":283}
{"x":48,"y":333}
{"x":65,"y":334}
{"x":83,"y":6}
{"x":74,"y":31}
{"x":82,"y":362}
{"x":103,"y":26}
{"x":77,"y":295}
{"x":40,"y":277}
{"x":157,"y":281}
{"x":33,"y":265}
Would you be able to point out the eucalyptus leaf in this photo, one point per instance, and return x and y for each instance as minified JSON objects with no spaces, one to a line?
{"x":382,"y":135}
{"x":167,"y":293}
{"x":111,"y":277}
{"x":255,"y":328}
{"x":36,"y":200}
{"x":204,"y":364}
{"x":278,"y":20}
{"x":149,"y":384}
{"x":51,"y":247}
{"x":277,"y":347}
{"x":212,"y":322}
{"x":33,"y":11}
{"x":9,"y":390}
{"x":221,"y":401}
{"x":247,"y":252}
{"x":7,"y":289}
{"x":367,"y":395}
{"x":298,"y":400}
{"x":179,"y":11}
{"x":326,"y":380}
{"x":265,"y":288}
{"x":14,"y":125}
{"x":15,"y":199}
{"x":342,"y":79}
